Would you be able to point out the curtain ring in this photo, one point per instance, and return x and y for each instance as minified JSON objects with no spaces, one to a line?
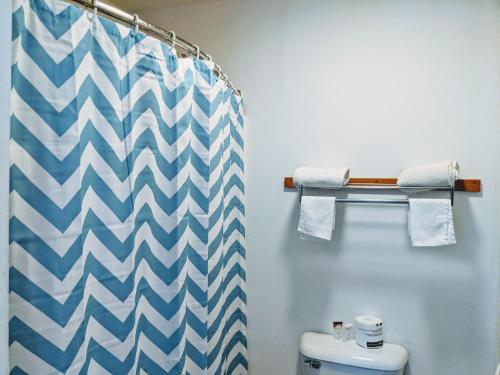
{"x":217,"y":70}
{"x":209,"y":57}
{"x":136,"y":22}
{"x":92,"y":16}
{"x":197,"y":49}
{"x":173,"y":38}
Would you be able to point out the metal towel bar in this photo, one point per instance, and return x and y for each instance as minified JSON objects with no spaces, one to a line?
{"x":450,"y":189}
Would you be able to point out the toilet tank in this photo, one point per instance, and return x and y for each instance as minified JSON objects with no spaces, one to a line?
{"x":321,"y":354}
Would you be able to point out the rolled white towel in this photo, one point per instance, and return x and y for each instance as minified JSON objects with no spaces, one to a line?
{"x":433,"y":174}
{"x":321,"y":177}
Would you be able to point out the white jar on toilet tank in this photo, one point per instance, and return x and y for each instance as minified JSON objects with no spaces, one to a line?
{"x":369,"y":332}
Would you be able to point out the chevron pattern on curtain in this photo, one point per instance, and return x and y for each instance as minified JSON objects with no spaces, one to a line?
{"x":127,"y":203}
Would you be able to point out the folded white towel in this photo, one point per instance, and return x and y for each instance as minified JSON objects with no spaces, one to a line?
{"x":321,"y":177}
{"x":434,"y":174}
{"x":317,"y":217}
{"x":430,"y":222}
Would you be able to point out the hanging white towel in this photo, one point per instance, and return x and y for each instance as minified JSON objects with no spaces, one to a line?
{"x":434,"y":174}
{"x":430,"y":222}
{"x":321,"y":177}
{"x":317,"y":217}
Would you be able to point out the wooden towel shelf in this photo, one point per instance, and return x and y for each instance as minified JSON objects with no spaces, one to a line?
{"x":467,"y":185}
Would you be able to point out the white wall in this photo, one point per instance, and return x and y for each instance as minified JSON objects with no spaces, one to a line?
{"x":5,"y":46}
{"x":377,"y":86}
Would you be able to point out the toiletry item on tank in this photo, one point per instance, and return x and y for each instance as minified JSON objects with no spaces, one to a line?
{"x":337,"y":330}
{"x":347,"y":332}
{"x":369,"y":333}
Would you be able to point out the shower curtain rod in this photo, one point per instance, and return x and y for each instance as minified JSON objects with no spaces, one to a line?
{"x":155,"y":31}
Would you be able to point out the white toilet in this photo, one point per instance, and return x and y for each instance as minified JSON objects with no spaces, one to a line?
{"x":321,"y":354}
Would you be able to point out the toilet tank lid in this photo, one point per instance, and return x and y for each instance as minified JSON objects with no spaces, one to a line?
{"x":324,"y":347}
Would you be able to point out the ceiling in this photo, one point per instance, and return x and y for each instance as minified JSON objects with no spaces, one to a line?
{"x":141,"y":5}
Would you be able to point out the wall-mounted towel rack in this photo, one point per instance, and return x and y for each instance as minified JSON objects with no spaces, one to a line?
{"x":380,"y":187}
{"x":468,"y":185}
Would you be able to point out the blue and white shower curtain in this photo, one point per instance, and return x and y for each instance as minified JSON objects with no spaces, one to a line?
{"x":126,"y":203}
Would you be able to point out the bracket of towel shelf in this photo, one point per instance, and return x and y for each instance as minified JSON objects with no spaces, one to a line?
{"x":468,"y":185}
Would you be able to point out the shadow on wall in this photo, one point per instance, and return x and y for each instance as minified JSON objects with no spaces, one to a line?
{"x":373,"y":276}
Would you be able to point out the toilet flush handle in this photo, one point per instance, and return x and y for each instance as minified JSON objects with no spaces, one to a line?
{"x":312,"y":363}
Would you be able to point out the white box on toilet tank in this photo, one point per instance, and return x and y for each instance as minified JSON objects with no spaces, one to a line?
{"x":369,"y":332}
